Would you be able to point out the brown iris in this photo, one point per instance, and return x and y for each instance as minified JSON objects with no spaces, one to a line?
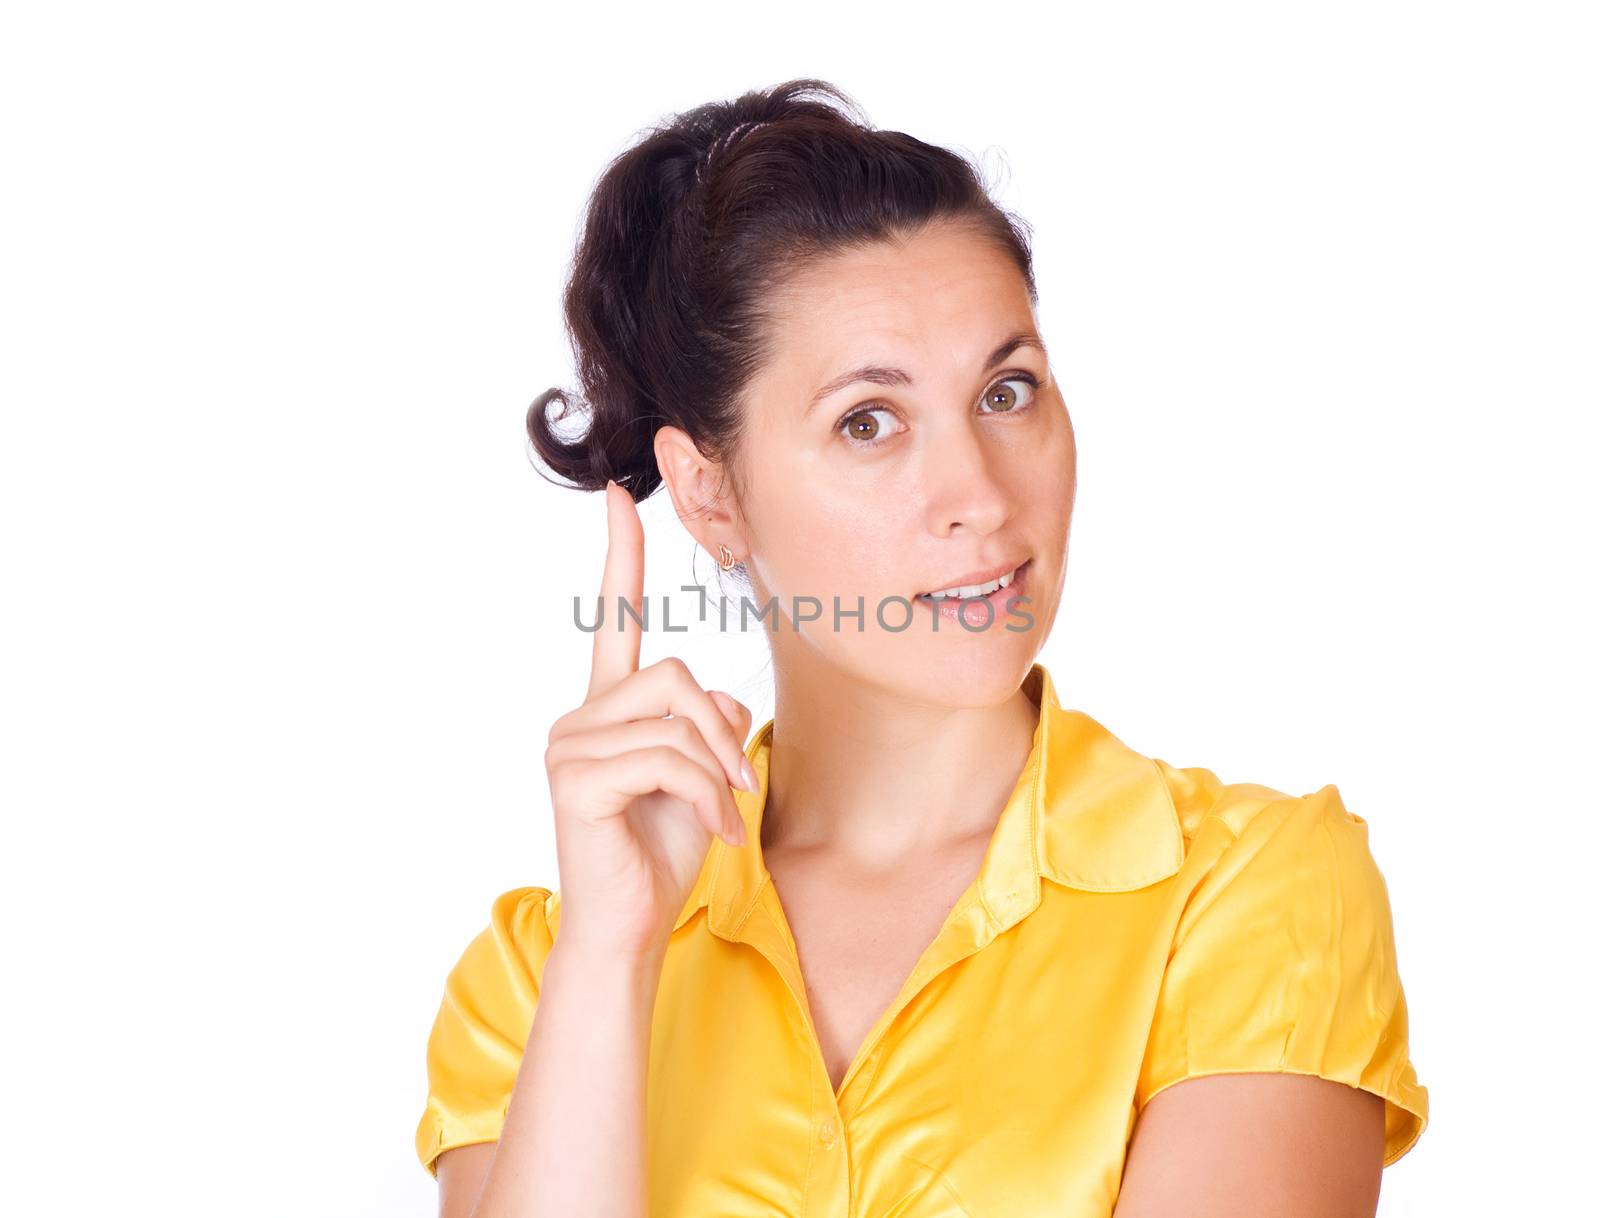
{"x":864,"y":427}
{"x":1002,"y":398}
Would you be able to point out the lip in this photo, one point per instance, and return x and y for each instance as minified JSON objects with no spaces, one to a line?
{"x":999,"y":602}
{"x":975,"y":577}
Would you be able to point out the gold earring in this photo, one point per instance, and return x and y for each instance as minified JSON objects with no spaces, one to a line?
{"x":725,"y":558}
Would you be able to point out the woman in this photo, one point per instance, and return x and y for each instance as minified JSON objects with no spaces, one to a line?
{"x":931,"y":944}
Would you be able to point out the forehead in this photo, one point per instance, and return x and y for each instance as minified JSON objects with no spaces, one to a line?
{"x":945,"y":293}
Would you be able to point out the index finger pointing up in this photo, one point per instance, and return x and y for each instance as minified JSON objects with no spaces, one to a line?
{"x":616,"y":642}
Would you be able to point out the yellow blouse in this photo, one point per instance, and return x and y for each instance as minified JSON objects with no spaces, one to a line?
{"x":1132,"y":924}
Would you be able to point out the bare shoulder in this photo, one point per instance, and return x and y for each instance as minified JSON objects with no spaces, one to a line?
{"x":1255,"y":1144}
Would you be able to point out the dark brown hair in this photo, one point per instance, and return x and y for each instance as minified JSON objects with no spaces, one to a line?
{"x":691,"y":229}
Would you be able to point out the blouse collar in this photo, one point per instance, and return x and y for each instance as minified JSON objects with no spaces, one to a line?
{"x":1087,"y":812}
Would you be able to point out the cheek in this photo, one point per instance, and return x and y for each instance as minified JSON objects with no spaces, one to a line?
{"x":805,"y":539}
{"x":848,"y":542}
{"x":1048,"y":449}
{"x":826,"y":542}
{"x":1062,"y":450}
{"x":1049,"y":467}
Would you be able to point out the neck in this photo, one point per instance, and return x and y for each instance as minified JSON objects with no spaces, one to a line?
{"x":869,"y":774}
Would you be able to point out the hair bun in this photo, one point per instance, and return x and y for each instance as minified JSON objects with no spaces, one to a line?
{"x":686,"y":236}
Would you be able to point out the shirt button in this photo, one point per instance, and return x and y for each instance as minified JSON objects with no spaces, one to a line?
{"x":827,"y":1133}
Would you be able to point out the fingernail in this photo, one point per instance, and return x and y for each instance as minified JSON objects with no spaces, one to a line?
{"x":748,"y":773}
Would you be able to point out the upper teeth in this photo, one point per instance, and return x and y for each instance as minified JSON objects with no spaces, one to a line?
{"x":971,"y":590}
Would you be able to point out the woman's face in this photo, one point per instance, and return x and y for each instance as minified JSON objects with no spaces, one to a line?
{"x":953,"y":461}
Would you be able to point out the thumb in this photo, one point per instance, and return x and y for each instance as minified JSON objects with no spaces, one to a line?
{"x":735,"y":712}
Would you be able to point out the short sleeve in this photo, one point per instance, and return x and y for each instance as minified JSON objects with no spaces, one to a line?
{"x":1284,"y":961}
{"x":481,"y":1030}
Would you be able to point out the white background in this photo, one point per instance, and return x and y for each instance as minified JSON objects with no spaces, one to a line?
{"x":288,"y":609}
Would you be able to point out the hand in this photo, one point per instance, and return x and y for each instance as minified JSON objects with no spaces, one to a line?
{"x":640,"y":773}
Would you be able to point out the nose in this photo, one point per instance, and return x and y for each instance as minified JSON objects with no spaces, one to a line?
{"x":966,"y":484}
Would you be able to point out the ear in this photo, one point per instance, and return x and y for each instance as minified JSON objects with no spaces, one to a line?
{"x":701,"y":493}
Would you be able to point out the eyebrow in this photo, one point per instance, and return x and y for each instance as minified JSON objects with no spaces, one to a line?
{"x":879,"y":375}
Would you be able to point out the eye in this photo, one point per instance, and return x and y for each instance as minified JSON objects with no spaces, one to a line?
{"x":863,"y":429}
{"x":1004,"y":401}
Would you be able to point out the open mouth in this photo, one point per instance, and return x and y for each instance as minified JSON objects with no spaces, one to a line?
{"x":976,"y":592}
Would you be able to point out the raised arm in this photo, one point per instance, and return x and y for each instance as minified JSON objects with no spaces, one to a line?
{"x":573,"y":1140}
{"x":640,"y":778}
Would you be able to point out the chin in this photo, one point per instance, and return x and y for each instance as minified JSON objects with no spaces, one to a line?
{"x":962,"y":676}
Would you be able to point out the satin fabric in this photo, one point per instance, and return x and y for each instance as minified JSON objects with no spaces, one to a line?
{"x":1133,"y":924}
